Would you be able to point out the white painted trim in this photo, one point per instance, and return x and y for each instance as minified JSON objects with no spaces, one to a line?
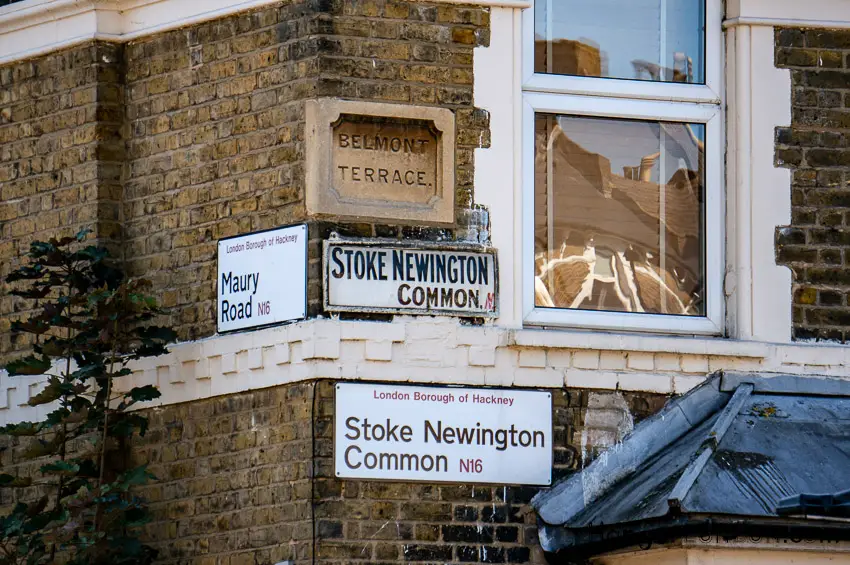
{"x":792,"y":13}
{"x":759,"y":100}
{"x":640,"y":343}
{"x":785,"y":22}
{"x":630,"y":89}
{"x":709,"y":93}
{"x":495,"y":166}
{"x":593,"y":96}
{"x":444,"y":351}
{"x":743,"y":202}
{"x":34,"y":27}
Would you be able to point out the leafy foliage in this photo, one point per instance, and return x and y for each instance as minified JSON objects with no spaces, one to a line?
{"x":90,"y":322}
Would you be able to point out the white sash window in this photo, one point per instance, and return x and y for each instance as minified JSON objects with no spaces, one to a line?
{"x":622,"y":168}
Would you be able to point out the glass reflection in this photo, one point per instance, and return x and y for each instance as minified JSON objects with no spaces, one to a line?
{"x":608,"y":234}
{"x":655,"y":40}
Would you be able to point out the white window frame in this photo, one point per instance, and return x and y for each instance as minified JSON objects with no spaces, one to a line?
{"x":639,"y":100}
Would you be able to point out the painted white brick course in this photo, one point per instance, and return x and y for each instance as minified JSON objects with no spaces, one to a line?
{"x":578,"y":378}
{"x":444,"y":352}
{"x":612,"y":360}
{"x":641,"y":361}
{"x":532,"y":358}
{"x":684,"y":383}
{"x":482,"y":356}
{"x":694,"y":364}
{"x":648,"y":382}
{"x":255,"y":358}
{"x":667,"y":362}
{"x":586,"y":359}
{"x":379,"y":350}
{"x":228,"y":364}
{"x":560,"y":357}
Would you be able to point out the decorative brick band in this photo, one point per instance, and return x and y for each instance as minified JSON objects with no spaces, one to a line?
{"x":432,"y":350}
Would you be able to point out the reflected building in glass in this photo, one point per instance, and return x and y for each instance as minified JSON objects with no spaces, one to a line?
{"x":619,"y":215}
{"x":638,"y":40}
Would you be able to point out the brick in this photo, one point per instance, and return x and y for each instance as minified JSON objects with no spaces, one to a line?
{"x":427,"y":532}
{"x":645,"y":382}
{"x":482,"y":356}
{"x":611,"y":360}
{"x":465,"y":513}
{"x":796,"y":57}
{"x":418,"y":552}
{"x":694,"y":364}
{"x":379,"y":350}
{"x":790,"y":38}
{"x":532,"y":358}
{"x":426,"y":511}
{"x":641,"y":361}
{"x":473,"y":534}
{"x":576,"y":378}
{"x":667,"y":362}
{"x":518,"y":555}
{"x":507,"y":534}
{"x":682,"y":383}
{"x":585,"y":359}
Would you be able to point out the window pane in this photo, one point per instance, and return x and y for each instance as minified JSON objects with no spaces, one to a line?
{"x":657,"y":40}
{"x":618,"y":215}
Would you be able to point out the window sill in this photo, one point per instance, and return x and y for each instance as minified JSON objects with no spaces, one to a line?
{"x":603,"y":341}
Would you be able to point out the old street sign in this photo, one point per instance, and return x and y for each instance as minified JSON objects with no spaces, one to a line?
{"x":461,"y":435}
{"x":380,"y":161}
{"x":378,"y":276}
{"x":262,"y":278}
{"x":385,"y":160}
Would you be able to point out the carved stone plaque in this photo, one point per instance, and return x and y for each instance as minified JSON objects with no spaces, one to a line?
{"x":380,"y":161}
{"x":384,"y":161}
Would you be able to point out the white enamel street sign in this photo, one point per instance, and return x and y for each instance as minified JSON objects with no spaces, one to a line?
{"x":376,"y":276}
{"x":459,"y":435}
{"x":262,"y":278}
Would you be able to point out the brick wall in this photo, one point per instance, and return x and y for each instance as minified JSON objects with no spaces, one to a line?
{"x":216,"y":127}
{"x":171,"y":142}
{"x":817,"y":148}
{"x":234,"y":485}
{"x":459,"y":523}
{"x":233,"y":482}
{"x":61,"y":155}
{"x":215,"y":147}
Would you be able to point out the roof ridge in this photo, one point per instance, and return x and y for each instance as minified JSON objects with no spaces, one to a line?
{"x":709,"y":446}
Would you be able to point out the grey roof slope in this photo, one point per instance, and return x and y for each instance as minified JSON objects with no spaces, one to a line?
{"x":731,"y":450}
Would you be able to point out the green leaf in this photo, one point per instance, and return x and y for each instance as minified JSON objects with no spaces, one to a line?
{"x":35,"y":292}
{"x":54,"y":347}
{"x":81,"y":298}
{"x":27,"y":273}
{"x":128,"y":424}
{"x":40,"y":448}
{"x":137,"y":476}
{"x":51,"y":392}
{"x":21,"y":429}
{"x":12,"y":481}
{"x":30,"y":365}
{"x":157,"y":333}
{"x":33,"y":326}
{"x":60,"y":468}
{"x":37,"y":507}
{"x":143,"y":393}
